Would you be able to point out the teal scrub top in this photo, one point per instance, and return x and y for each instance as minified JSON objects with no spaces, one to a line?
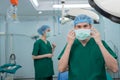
{"x":87,"y":62}
{"x":43,"y":67}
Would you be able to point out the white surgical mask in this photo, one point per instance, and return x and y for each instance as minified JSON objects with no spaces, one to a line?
{"x":48,"y":34}
{"x":82,"y":34}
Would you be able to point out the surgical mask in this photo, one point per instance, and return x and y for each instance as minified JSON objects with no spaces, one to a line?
{"x":48,"y":34}
{"x":82,"y":34}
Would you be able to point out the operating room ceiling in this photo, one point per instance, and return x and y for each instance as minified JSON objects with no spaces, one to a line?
{"x":25,"y":8}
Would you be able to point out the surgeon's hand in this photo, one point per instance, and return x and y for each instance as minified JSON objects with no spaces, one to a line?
{"x":96,"y":35}
{"x":53,"y":45}
{"x":71,"y":37}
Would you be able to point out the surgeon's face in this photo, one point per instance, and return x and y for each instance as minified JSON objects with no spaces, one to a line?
{"x":48,"y":33}
{"x":82,"y":26}
{"x":82,"y":31}
{"x":48,"y":30}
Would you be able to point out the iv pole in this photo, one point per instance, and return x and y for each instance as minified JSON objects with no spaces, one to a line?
{"x":6,"y":39}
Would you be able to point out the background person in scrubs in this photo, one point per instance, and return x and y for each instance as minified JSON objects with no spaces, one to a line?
{"x":85,"y":54}
{"x":42,"y":55}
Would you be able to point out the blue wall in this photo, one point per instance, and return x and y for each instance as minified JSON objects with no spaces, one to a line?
{"x":23,"y":44}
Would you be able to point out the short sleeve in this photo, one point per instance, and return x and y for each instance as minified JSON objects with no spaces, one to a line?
{"x":35,"y":48}
{"x":109,"y":49}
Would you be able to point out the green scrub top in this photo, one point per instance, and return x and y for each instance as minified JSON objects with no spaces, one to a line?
{"x":43,"y":67}
{"x":87,"y":62}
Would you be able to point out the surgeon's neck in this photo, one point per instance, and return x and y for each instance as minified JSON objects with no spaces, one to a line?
{"x":43,"y":38}
{"x":84,"y":42}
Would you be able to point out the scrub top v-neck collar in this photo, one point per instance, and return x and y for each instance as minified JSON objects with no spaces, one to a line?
{"x":44,"y":41}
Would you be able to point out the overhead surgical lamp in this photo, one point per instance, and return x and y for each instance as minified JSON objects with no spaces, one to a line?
{"x":108,"y":8}
{"x":34,"y":3}
{"x":68,"y":6}
{"x":72,"y":13}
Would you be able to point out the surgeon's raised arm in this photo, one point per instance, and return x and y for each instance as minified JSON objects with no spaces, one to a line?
{"x":63,"y":62}
{"x":110,"y":61}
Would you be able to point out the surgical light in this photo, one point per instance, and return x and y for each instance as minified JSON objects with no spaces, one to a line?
{"x":72,"y":6}
{"x":35,"y":2}
{"x":108,"y":8}
{"x":72,"y":13}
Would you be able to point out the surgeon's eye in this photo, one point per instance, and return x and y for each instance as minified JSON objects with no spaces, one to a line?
{"x":85,"y":26}
{"x":78,"y":26}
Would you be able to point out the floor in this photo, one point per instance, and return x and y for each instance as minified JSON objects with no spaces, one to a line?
{"x":53,"y":79}
{"x":32,"y":79}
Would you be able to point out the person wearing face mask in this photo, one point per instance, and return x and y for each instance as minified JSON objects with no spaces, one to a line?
{"x":42,"y":55}
{"x":85,"y":54}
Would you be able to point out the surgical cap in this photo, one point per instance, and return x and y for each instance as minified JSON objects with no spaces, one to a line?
{"x":82,"y":18}
{"x":42,"y":29}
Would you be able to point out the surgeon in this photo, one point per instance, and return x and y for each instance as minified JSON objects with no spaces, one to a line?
{"x":85,"y":54}
{"x":42,"y":55}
